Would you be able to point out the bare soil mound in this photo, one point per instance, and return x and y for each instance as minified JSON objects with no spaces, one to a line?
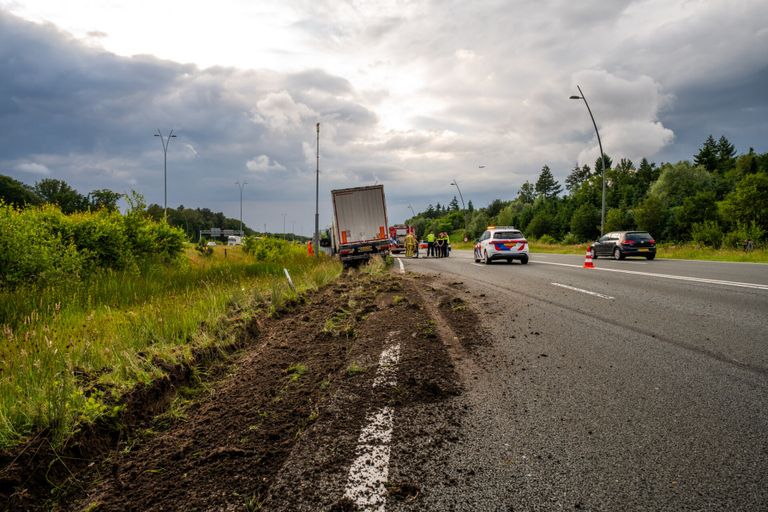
{"x":278,"y":430}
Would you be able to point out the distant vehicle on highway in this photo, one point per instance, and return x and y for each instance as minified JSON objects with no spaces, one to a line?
{"x":501,"y":243}
{"x":211,"y":244}
{"x":234,"y":240}
{"x":620,"y":244}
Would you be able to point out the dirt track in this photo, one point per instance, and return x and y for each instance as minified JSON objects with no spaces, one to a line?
{"x":279,"y":430}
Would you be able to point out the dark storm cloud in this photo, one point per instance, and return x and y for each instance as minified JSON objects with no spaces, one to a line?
{"x":73,"y":112}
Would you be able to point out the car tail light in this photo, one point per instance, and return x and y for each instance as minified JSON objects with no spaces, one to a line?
{"x":652,"y":242}
{"x":628,"y":242}
{"x":345,"y":251}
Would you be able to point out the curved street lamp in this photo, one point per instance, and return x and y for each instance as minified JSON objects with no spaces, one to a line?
{"x":165,"y":141}
{"x":602,"y":155}
{"x":454,"y":182}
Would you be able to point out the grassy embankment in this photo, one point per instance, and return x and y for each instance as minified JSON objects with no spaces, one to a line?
{"x":69,"y":350}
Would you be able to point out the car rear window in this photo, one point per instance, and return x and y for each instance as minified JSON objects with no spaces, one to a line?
{"x":507,"y":235}
{"x":639,"y":237}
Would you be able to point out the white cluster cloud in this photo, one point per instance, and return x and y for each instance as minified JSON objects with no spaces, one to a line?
{"x":263,"y":164}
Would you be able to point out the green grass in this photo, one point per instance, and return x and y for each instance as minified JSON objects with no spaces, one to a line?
{"x":62,"y":344}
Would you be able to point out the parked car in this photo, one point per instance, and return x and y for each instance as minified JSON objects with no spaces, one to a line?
{"x":620,"y":244}
{"x":501,"y":243}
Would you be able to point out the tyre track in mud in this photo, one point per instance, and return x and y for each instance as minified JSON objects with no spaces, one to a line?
{"x":280,"y":431}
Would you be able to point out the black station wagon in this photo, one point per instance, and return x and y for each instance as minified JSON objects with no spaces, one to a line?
{"x":620,"y":244}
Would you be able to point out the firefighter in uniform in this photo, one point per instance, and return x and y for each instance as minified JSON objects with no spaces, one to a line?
{"x":410,"y":245}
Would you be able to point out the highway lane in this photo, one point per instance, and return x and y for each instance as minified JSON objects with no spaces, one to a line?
{"x":649,"y":393}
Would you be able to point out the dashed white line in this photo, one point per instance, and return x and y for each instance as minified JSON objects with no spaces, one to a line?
{"x":370,"y":469}
{"x":608,"y":297}
{"x":753,"y":286}
{"x":386,"y":374}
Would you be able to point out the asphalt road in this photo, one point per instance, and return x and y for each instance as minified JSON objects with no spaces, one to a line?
{"x":633,"y":386}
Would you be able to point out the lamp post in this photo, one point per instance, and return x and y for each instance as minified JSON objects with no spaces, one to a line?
{"x":602,"y":155}
{"x":454,"y":182}
{"x":411,"y":207}
{"x":463,"y":206}
{"x":241,"y":186}
{"x":316,"y":237}
{"x":165,"y":142}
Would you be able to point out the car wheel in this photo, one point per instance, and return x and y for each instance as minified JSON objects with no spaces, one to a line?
{"x":650,"y":256}
{"x":477,"y":257}
{"x":487,"y":260}
{"x":593,"y":253}
{"x":524,"y":259}
{"x":617,"y":254}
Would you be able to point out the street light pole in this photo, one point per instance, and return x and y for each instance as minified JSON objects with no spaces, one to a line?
{"x":165,"y":142}
{"x":316,"y":238}
{"x":241,"y":186}
{"x":411,"y":207}
{"x":454,"y":182}
{"x":602,"y":155}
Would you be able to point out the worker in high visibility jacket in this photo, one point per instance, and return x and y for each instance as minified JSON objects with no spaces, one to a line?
{"x":431,"y":244}
{"x":310,"y":250}
{"x":444,"y":245}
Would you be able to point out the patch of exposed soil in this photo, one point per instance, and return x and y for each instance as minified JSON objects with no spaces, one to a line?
{"x":279,"y":430}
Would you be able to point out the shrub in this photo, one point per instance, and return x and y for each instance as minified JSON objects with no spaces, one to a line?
{"x":42,"y":245}
{"x":270,"y":249}
{"x":570,"y":239}
{"x":707,"y":233}
{"x":546,"y":239}
{"x":735,"y":239}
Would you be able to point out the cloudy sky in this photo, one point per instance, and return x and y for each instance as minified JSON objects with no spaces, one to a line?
{"x":408,"y":94}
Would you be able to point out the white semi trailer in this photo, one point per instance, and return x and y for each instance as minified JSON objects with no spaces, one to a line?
{"x":359,"y":223}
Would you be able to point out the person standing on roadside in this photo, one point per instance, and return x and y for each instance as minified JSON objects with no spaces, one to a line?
{"x":431,"y":244}
{"x":439,"y":245}
{"x":446,"y":241}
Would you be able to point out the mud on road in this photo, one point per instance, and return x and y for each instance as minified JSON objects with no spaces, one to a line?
{"x":281,"y":428}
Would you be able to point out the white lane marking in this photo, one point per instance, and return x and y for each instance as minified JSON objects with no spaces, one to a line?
{"x":370,"y":470}
{"x":402,"y":267}
{"x":753,"y":286}
{"x":386,"y":374}
{"x":478,"y":265}
{"x":583,"y":291}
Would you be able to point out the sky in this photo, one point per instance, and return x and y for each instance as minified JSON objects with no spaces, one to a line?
{"x":412,"y":95}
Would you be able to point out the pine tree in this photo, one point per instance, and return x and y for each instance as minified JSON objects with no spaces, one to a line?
{"x":546,"y":185}
{"x":578,"y":176}
{"x":454,"y":204}
{"x":726,"y":153}
{"x":708,"y":155}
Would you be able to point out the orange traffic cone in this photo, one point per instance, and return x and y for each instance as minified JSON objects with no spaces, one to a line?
{"x":588,"y":260}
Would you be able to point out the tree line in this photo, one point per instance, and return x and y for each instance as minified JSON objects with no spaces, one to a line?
{"x":718,"y":199}
{"x":69,"y":201}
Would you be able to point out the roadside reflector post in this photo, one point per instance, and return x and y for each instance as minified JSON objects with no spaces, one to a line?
{"x":290,"y":281}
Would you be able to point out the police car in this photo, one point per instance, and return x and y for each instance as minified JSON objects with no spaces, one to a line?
{"x":501,"y":243}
